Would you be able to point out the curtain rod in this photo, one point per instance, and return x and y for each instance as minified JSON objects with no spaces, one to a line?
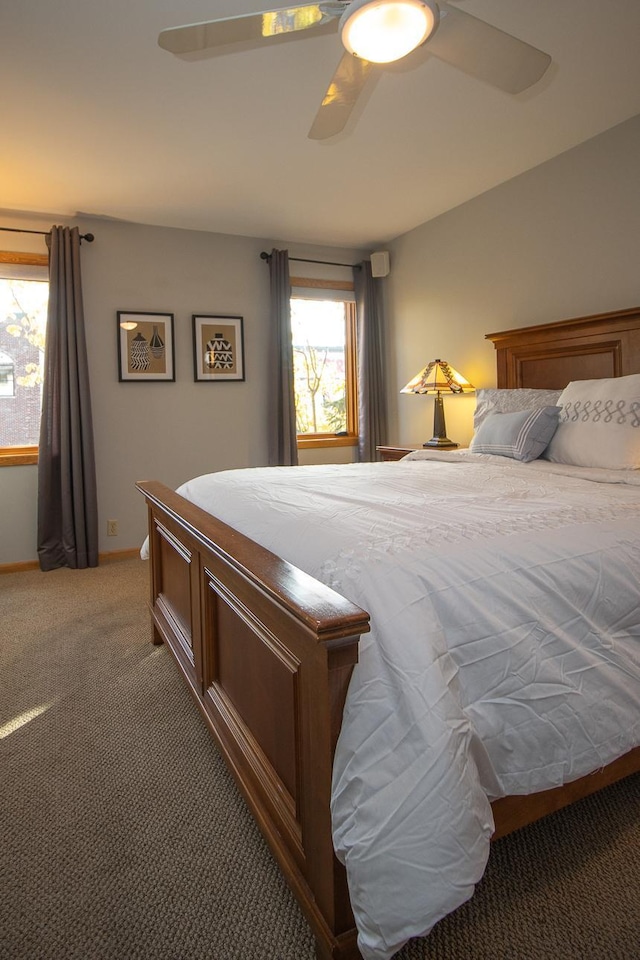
{"x":328,"y":263}
{"x":89,"y":237}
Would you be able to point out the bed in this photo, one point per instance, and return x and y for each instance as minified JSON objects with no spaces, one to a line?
{"x":268,"y":649}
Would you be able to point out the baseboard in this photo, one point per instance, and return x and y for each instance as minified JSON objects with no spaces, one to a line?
{"x":114,"y":555}
{"x":109,"y":557}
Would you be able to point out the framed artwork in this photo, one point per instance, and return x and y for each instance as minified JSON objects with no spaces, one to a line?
{"x":145,"y":346}
{"x":218,"y":348}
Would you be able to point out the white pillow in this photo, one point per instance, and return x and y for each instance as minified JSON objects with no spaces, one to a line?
{"x":599,"y":425}
{"x":490,"y":400}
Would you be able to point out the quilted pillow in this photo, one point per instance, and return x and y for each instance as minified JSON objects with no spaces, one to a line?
{"x":599,"y":425}
{"x":494,"y":400}
{"x":522,"y":435}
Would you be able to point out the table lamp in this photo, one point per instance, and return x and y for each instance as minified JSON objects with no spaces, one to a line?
{"x":438,"y":377}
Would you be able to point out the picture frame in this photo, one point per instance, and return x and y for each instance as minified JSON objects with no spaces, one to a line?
{"x":145,"y":346}
{"x":218,"y":347}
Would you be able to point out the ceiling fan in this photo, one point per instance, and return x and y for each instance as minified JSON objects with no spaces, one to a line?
{"x":374,"y":33}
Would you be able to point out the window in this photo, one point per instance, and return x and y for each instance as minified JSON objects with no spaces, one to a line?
{"x":325,"y":379}
{"x":24,"y":293}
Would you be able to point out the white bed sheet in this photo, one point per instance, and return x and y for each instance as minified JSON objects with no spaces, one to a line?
{"x":504,"y":654}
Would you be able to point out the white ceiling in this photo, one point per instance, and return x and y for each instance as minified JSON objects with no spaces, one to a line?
{"x":97,"y":119}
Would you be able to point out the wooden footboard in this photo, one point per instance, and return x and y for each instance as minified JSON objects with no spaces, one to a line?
{"x":268,"y":653}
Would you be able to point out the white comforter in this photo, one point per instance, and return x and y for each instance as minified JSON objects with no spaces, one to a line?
{"x":504,"y":654}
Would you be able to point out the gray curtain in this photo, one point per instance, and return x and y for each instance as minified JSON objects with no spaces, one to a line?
{"x":371,"y":367}
{"x":281,"y":407}
{"x":67,"y":501}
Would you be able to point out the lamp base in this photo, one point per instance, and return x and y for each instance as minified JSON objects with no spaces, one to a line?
{"x":441,"y":442}
{"x":439,"y":438}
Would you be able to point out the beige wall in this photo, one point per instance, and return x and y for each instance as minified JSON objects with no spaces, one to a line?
{"x":562,"y":240}
{"x":166,"y":431}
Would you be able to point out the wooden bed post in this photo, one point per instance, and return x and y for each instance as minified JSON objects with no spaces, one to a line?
{"x":267,"y":652}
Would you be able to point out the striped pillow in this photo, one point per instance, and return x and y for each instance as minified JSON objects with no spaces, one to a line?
{"x":523,"y":435}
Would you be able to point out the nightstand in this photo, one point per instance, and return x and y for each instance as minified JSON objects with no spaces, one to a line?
{"x":397,"y":453}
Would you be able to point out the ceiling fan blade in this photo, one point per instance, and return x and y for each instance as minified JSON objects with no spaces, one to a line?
{"x":485,"y":52}
{"x":252,"y":27}
{"x":346,"y":85}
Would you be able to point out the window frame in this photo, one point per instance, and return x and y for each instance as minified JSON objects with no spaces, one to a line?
{"x":21,"y":456}
{"x":351,"y":437}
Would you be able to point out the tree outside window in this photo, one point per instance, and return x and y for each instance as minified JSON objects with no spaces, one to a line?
{"x":324,"y":364}
{"x":23,"y":315}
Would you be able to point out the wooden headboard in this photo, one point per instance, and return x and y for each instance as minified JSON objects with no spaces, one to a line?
{"x":550,"y":355}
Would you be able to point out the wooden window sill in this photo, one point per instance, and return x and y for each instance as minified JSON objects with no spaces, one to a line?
{"x":327,"y":441}
{"x":19,"y":457}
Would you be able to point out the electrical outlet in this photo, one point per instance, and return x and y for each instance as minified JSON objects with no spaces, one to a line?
{"x":112,"y":528}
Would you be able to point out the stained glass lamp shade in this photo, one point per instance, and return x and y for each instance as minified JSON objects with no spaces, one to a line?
{"x":438,"y":377}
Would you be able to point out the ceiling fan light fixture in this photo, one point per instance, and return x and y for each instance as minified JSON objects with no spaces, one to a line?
{"x":383,"y":31}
